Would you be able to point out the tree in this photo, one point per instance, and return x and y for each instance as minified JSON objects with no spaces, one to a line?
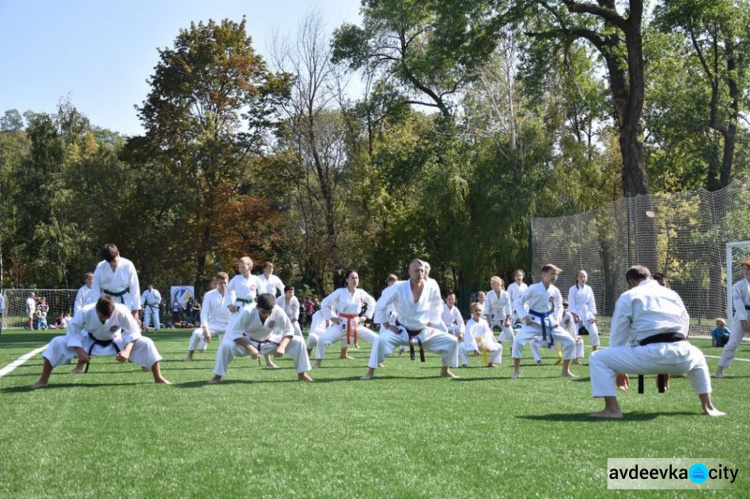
{"x":209,"y":116}
{"x":619,"y":40}
{"x":716,"y":33}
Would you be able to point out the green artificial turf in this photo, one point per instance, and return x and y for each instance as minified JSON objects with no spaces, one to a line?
{"x":407,"y":433}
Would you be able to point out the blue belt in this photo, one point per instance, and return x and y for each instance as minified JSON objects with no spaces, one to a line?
{"x":543,"y":316}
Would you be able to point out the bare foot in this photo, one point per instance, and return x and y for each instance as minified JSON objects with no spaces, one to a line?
{"x":271,"y":365}
{"x":189,"y":358}
{"x":492,"y":365}
{"x":718,"y":375}
{"x":214,"y":380}
{"x":346,"y":357}
{"x":38,"y":384}
{"x":575,"y":361}
{"x":146,"y":369}
{"x":380,"y":366}
{"x":539,"y":362}
{"x":607,"y":414}
{"x":463,"y":366}
{"x":400,"y":353}
{"x":163,"y":381}
{"x":367,"y":376}
{"x":516,"y":375}
{"x":318,"y":364}
{"x":448,"y":374}
{"x":713,"y":411}
{"x":304,"y":377}
{"x":568,"y":375}
{"x":77,"y":370}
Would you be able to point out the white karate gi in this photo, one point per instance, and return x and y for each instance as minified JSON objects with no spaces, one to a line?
{"x":122,"y":284}
{"x":516,"y":291}
{"x":122,"y":328}
{"x":151,"y":300}
{"x":641,"y":312}
{"x":413,"y":316}
{"x":271,"y":285}
{"x":581,"y":302}
{"x":215,"y":317}
{"x":318,"y":326}
{"x":84,"y":296}
{"x":498,"y":308}
{"x":541,"y":300}
{"x":347,"y":306}
{"x":479,"y":336}
{"x":292,"y":311}
{"x":265,"y":336}
{"x":241,"y":291}
{"x":741,"y":304}
{"x":453,"y":320}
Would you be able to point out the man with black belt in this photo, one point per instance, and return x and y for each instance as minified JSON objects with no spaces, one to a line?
{"x":261,"y":328}
{"x":740,"y":319}
{"x":102,"y":328}
{"x":418,"y":308}
{"x":116,"y":276}
{"x":648,"y":336}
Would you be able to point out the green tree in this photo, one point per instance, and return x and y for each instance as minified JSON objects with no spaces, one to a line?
{"x":208,"y":117}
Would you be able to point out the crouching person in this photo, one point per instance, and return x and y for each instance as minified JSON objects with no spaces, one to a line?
{"x":262,"y":328}
{"x":102,"y":328}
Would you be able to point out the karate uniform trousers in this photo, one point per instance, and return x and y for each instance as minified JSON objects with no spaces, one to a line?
{"x":228,"y":350}
{"x":338,"y":332}
{"x":528,"y":333}
{"x":143,"y":353}
{"x":198,"y":343}
{"x":439,"y":342}
{"x":657,"y":358}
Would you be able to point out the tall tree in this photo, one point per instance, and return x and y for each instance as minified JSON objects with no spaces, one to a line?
{"x":208,"y":118}
{"x":716,"y":32}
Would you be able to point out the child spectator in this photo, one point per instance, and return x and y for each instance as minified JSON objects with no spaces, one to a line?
{"x":720,"y":335}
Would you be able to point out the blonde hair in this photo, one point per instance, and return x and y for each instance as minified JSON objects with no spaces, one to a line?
{"x":475,"y":305}
{"x":723,"y":322}
{"x":247,"y":259}
{"x":496,"y":279}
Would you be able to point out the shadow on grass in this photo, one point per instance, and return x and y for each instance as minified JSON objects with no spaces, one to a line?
{"x":585,"y":418}
{"x":52,"y":386}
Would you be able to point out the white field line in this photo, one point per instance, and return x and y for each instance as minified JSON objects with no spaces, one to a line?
{"x":20,"y":361}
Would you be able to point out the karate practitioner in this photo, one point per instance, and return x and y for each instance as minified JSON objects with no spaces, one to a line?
{"x":261,"y":328}
{"x":343,"y":308}
{"x":84,"y":296}
{"x":452,"y":318}
{"x":268,"y":282}
{"x":497,"y":310}
{"x":102,"y":328}
{"x":740,"y":320}
{"x":116,"y":276}
{"x":542,"y":308}
{"x":151,"y":300}
{"x":418,"y":308}
{"x":214,"y":316}
{"x":243,"y":289}
{"x":290,"y":304}
{"x":516,"y":289}
{"x":480,"y":340}
{"x":569,"y":325}
{"x":318,"y":326}
{"x":583,"y":307}
{"x":648,"y":336}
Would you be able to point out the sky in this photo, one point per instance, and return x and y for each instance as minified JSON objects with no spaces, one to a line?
{"x":100,"y":53}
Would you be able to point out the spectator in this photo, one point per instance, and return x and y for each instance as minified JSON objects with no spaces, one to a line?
{"x":196,"y":311}
{"x":41,"y":314}
{"x":309,"y":310}
{"x":720,"y":335}
{"x":30,"y":309}
{"x":176,"y":310}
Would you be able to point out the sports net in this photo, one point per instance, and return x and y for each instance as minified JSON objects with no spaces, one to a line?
{"x":60,"y":301}
{"x":681,"y":235}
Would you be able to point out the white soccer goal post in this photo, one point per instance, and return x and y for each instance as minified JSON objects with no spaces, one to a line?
{"x":14,"y":315}
{"x":736,"y":253}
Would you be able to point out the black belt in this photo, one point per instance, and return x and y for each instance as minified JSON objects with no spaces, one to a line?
{"x":663,"y":338}
{"x":119,"y":294}
{"x":259,"y":342}
{"x":659,"y":338}
{"x":97,"y":341}
{"x":414,"y":333}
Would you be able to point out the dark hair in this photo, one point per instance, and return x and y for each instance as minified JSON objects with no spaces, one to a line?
{"x":266,"y":301}
{"x":221,"y":275}
{"x":637,"y":273}
{"x":105,"y":306}
{"x":350,"y":273}
{"x":551,"y":266}
{"x":288,"y":287}
{"x":110,"y":252}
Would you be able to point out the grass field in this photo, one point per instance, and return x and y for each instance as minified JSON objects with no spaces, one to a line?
{"x":114,"y":433}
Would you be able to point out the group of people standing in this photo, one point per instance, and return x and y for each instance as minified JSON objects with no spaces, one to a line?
{"x":649,"y":326}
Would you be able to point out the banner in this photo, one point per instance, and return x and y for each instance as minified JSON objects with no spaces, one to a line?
{"x":182,"y":294}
